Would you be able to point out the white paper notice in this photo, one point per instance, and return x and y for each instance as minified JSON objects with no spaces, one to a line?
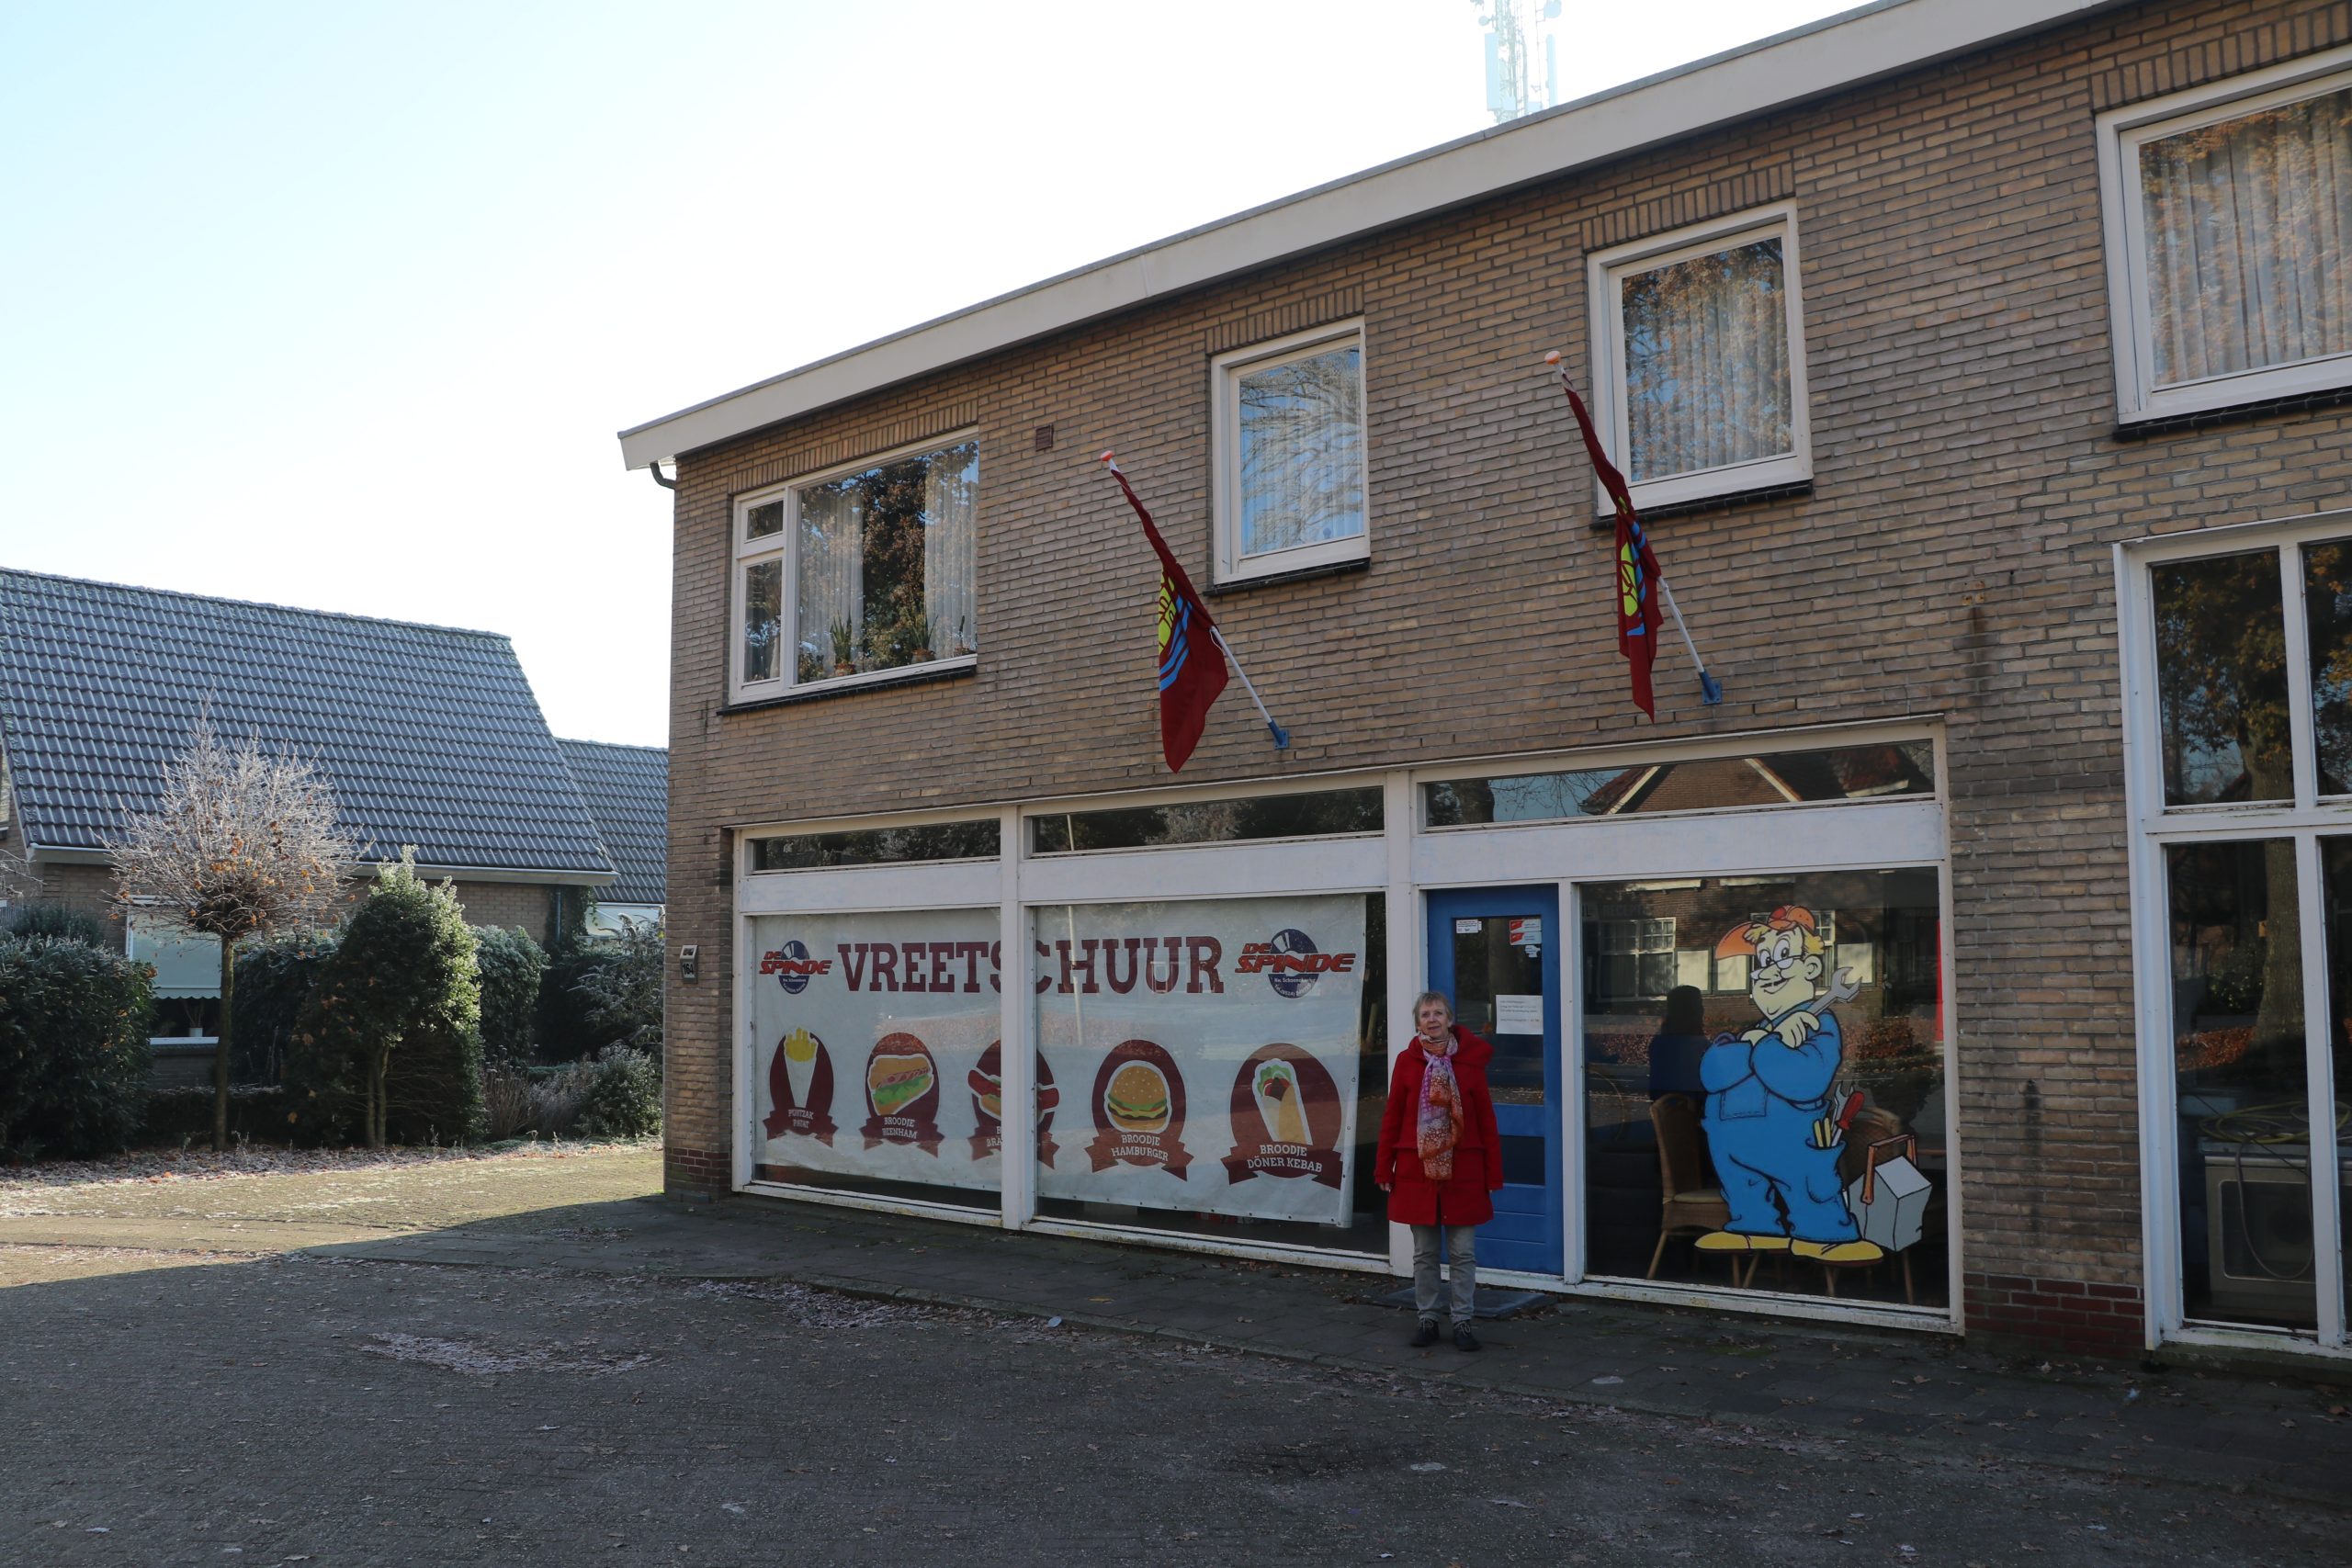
{"x":1519,"y":1015}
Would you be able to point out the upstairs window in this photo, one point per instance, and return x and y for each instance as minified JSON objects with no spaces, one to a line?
{"x":854,"y":574}
{"x":1699,"y":358}
{"x":1290,"y":454}
{"x":2228,"y":210}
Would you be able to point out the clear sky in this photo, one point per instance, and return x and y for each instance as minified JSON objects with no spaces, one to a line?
{"x":339,"y":305}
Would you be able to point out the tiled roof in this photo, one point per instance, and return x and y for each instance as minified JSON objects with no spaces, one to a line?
{"x":627,"y":789}
{"x":429,"y":736}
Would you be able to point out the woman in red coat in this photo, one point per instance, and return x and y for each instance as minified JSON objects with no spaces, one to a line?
{"x":1440,"y":1158}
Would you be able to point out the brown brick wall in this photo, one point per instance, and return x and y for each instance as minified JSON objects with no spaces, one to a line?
{"x":89,"y":889}
{"x":1953,"y":558}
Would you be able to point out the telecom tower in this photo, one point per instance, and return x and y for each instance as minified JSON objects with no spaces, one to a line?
{"x":1522,"y":68}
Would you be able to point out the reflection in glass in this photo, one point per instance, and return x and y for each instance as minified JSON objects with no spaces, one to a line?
{"x":1707,"y":362}
{"x":2327,"y":606}
{"x":763,"y":520}
{"x":2221,"y":679}
{"x":2335,"y":856}
{"x":1321,"y":812}
{"x":1676,"y":975}
{"x":2241,"y":1071}
{"x":2245,"y":227}
{"x":1487,"y":965}
{"x":1302,"y":451}
{"x":1849,"y":772}
{"x":762,"y":618}
{"x":878,"y":846}
{"x":885,"y":566}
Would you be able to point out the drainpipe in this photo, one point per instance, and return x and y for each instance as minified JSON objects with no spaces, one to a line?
{"x":655,"y":469}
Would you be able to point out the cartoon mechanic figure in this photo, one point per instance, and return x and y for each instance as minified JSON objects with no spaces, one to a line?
{"x":1767,"y":1116}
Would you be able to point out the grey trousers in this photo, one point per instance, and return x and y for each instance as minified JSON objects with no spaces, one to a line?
{"x":1461,"y":1255}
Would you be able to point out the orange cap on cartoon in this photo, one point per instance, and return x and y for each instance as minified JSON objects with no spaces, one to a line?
{"x":1741,"y":940}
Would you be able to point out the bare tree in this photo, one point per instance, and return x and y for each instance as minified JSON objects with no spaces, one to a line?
{"x":241,"y":844}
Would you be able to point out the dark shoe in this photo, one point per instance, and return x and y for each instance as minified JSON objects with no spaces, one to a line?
{"x":1426,"y":1335}
{"x":1463,"y":1339}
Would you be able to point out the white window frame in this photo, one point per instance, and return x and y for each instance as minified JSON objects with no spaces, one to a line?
{"x":1225,"y":371}
{"x":2122,"y":133}
{"x":2305,"y":821}
{"x":744,"y":551}
{"x":1602,"y":270}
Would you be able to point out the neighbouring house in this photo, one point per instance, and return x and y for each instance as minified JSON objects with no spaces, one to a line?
{"x":429,"y":736}
{"x":1983,"y":371}
{"x":627,"y":792}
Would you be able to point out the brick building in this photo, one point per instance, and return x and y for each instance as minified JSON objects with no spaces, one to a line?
{"x":429,"y":737}
{"x":1979,"y":365}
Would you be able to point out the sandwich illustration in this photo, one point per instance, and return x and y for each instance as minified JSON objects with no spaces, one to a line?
{"x":1137,"y":1101}
{"x":894,"y":1082}
{"x":799,"y":1064}
{"x":1276,"y":1087}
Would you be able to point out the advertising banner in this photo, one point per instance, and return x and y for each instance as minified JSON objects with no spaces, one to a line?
{"x":1215,"y":1045}
{"x":874,"y":1050}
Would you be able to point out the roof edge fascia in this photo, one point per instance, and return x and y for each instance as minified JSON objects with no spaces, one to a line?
{"x":1830,"y":55}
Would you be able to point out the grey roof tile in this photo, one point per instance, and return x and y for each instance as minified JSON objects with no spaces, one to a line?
{"x":627,"y":789}
{"x":429,"y":736}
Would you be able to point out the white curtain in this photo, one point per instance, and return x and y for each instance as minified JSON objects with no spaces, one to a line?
{"x":2246,"y":224}
{"x":1302,"y":452}
{"x":1706,"y":362}
{"x":832,"y":554}
{"x":951,"y":514}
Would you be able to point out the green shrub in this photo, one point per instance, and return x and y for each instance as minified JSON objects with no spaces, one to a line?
{"x":53,"y":920}
{"x":73,"y":1054}
{"x":624,"y":1098}
{"x":620,"y":980}
{"x":389,"y":1047}
{"x":181,"y":1115}
{"x":512,"y":964}
{"x":274,"y":978}
{"x":563,"y":1032}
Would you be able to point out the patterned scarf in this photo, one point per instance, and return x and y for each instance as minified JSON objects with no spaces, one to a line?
{"x":1439,"y":1125}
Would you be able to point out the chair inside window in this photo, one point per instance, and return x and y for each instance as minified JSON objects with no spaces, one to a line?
{"x":1690,"y":1205}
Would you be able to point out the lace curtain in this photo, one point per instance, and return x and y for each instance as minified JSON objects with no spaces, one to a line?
{"x":1706,"y":362}
{"x":1302,"y":452}
{"x":951,"y":512}
{"x":2247,"y":225}
{"x":886,"y":561}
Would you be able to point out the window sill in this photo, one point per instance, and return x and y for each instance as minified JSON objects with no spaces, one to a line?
{"x":2253,"y":408}
{"x":1303,"y":574}
{"x":1760,"y":496}
{"x":920,"y":676}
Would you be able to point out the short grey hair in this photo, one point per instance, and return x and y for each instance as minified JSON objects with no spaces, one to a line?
{"x":1440,"y":997}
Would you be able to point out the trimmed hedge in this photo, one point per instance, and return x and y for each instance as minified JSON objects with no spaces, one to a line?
{"x":274,"y":978}
{"x":182,"y":1114}
{"x":512,"y":965}
{"x":53,"y":920}
{"x":73,"y":1056}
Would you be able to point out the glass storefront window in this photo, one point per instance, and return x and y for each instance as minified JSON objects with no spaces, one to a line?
{"x":1316,"y":813}
{"x":1781,"y":778}
{"x":875,"y":1053}
{"x":2327,"y":605}
{"x":879,"y":846}
{"x":2335,"y":855}
{"x":2222,"y":679}
{"x":2241,"y":1072}
{"x":1216,"y":1066}
{"x":1765,"y":1084}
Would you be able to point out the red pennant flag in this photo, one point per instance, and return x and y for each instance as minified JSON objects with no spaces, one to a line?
{"x":1637,"y":573}
{"x":1192,"y":660}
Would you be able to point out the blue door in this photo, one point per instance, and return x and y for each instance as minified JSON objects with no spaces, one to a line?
{"x":1495,"y":952}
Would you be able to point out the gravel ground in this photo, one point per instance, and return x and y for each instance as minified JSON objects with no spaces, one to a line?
{"x":296,"y":1410}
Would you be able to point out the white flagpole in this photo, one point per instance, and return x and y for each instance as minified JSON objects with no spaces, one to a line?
{"x":1281,"y":736}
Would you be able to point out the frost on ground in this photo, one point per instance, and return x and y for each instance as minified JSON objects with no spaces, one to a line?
{"x":21,"y":1184}
{"x":474,"y":1359}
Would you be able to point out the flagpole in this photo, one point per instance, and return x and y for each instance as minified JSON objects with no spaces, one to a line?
{"x":1281,"y":736}
{"x":1711,"y":691}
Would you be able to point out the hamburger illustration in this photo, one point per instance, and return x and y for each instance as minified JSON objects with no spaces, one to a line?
{"x":1137,"y":1101}
{"x":988,"y":1088}
{"x":894,"y":1082}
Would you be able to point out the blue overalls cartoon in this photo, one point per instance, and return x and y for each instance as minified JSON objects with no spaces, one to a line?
{"x":1768,"y":1114}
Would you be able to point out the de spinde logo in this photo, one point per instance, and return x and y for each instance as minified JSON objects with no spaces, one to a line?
{"x":1290,"y":963}
{"x":792,"y":966}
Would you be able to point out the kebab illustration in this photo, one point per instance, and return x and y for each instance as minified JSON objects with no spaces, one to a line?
{"x":1279,"y":1101}
{"x":1137,"y":1099}
{"x":799,"y":1050}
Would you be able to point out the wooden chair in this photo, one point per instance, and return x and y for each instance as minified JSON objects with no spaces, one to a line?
{"x":1688,"y":1205}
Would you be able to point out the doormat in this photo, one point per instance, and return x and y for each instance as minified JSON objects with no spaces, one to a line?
{"x":1491,"y":1303}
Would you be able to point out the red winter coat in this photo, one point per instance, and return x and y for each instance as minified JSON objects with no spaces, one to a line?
{"x":1413,"y":1198}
